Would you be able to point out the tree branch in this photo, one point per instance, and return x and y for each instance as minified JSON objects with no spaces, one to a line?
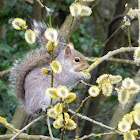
{"x":49,"y":127}
{"x":93,"y":121}
{"x":3,"y":73}
{"x":108,"y":55}
{"x":116,"y":60}
{"x":26,"y":136}
{"x":27,"y":126}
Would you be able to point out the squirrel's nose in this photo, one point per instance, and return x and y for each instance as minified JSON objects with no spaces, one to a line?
{"x":85,"y":66}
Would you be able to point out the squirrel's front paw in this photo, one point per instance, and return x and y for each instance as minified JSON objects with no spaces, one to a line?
{"x":86,"y":75}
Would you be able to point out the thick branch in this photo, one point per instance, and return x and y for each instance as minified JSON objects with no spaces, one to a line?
{"x":115,"y":60}
{"x":108,"y":55}
{"x":26,"y":136}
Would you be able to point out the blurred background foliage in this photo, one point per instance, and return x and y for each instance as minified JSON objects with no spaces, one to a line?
{"x":89,"y":38}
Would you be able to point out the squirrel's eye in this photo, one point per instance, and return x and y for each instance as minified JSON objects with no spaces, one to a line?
{"x":77,"y":59}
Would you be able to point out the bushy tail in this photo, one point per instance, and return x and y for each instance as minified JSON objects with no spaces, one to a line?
{"x":33,"y":59}
{"x":40,"y":28}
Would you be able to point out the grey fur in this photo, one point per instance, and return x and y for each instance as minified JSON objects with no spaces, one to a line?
{"x":29,"y":83}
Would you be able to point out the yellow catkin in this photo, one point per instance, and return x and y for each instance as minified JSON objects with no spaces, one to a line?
{"x":56,"y":67}
{"x":75,"y":9}
{"x":70,"y":98}
{"x":19,"y":23}
{"x":94,"y":91}
{"x":71,"y":125}
{"x":62,"y":91}
{"x":30,"y":36}
{"x":44,"y":71}
{"x":51,"y":34}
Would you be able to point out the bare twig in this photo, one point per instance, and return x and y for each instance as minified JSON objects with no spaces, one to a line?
{"x":3,"y":73}
{"x":93,"y":121}
{"x":96,"y":135}
{"x":27,"y":126}
{"x":96,"y":3}
{"x":80,"y":106}
{"x":49,"y":127}
{"x":108,"y":39}
{"x":63,"y":129}
{"x":87,"y":84}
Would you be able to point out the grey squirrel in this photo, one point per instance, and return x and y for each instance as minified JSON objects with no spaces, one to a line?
{"x":29,"y":83}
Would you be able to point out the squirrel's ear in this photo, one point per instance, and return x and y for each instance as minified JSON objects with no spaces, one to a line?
{"x":71,"y":45}
{"x":68,"y":49}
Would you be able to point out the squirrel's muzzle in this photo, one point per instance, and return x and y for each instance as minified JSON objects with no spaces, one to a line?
{"x":82,"y":67}
{"x":85,"y":66}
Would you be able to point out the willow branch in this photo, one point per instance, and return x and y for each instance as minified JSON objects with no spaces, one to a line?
{"x":26,"y":136}
{"x":80,"y":106}
{"x":96,"y":135}
{"x":9,"y":126}
{"x":87,"y":84}
{"x":49,"y":127}
{"x":27,"y":126}
{"x":108,"y":55}
{"x":116,"y":60}
{"x":93,"y":121}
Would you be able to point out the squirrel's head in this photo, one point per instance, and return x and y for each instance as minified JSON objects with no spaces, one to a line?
{"x":77,"y":60}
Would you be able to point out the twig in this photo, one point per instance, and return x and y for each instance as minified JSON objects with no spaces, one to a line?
{"x":93,"y":59}
{"x":108,"y":55}
{"x":129,"y":38}
{"x":108,"y":39}
{"x":2,"y":73}
{"x":63,"y":129}
{"x":87,"y":84}
{"x":96,"y":135}
{"x":8,"y":125}
{"x":26,"y":136}
{"x":27,"y":126}
{"x":96,"y":3}
{"x":50,"y":19}
{"x":49,"y":127}
{"x":93,"y":121}
{"x":80,"y":106}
